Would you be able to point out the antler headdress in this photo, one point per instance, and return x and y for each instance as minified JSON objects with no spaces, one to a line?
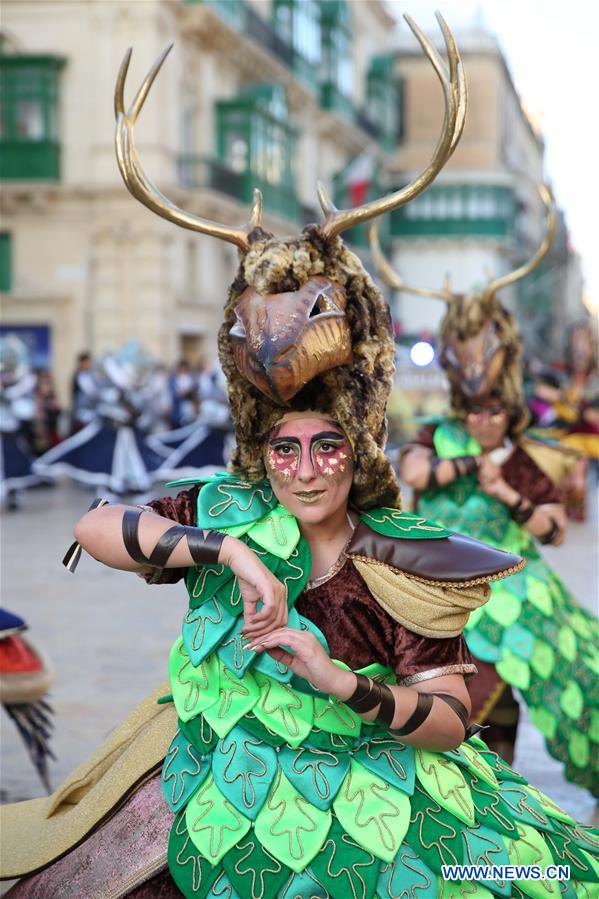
{"x":304,"y":325}
{"x":480,"y":344}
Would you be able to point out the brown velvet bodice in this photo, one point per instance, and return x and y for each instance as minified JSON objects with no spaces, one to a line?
{"x":359,"y":631}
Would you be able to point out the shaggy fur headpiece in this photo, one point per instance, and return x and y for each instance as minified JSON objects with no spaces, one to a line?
{"x":355,"y":395}
{"x":465,"y":318}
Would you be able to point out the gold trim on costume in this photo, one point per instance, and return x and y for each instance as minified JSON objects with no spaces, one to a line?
{"x":459,"y":585}
{"x":333,"y":570}
{"x":465,"y":668}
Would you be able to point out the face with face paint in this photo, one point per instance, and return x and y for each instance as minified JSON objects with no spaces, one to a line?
{"x":309,"y":461}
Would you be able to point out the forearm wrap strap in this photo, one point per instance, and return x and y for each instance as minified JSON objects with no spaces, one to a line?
{"x":73,"y":554}
{"x":204,"y":546}
{"x":432,"y":482}
{"x":550,"y":535}
{"x":418,"y":716}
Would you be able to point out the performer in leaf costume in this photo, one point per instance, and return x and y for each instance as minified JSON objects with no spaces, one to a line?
{"x":312,"y":738}
{"x":479,"y":472}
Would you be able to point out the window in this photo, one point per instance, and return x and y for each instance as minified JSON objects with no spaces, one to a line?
{"x":5,"y":261}
{"x":337,"y":66}
{"x":384,"y":95}
{"x":28,"y":117}
{"x":256,"y":143}
{"x":298,"y":23}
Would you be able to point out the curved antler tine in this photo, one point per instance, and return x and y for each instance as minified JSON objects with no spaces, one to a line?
{"x":454,"y":95}
{"x":391,"y":277}
{"x":143,"y":188}
{"x":430,"y":50}
{"x":550,"y":231}
{"x":326,"y":204}
{"x":119,"y":90}
{"x":457,"y":76}
{"x":144,"y":90}
{"x":256,"y":214}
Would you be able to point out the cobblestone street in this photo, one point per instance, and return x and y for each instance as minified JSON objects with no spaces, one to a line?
{"x":108,"y":635}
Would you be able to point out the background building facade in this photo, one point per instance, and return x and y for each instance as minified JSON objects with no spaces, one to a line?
{"x":255,"y":94}
{"x":272,"y":94}
{"x":482,"y":216}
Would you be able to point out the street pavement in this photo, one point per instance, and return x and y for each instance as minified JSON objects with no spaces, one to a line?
{"x":108,"y":635}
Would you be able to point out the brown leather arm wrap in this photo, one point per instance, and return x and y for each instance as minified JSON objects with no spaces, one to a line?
{"x":365,"y":697}
{"x":368,"y":695}
{"x":550,"y":535}
{"x":432,"y":482}
{"x":72,"y":556}
{"x":418,"y":716}
{"x":204,"y":546}
{"x":455,"y":705}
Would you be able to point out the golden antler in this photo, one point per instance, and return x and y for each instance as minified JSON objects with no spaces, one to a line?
{"x":454,"y":91}
{"x":138,"y":183}
{"x":390,"y":276}
{"x":550,"y":231}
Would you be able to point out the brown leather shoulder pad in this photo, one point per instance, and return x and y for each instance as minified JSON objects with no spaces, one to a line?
{"x":449,"y":560}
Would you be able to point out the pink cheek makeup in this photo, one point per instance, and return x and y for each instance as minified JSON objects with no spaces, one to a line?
{"x":283,"y":466}
{"x":331,"y":464}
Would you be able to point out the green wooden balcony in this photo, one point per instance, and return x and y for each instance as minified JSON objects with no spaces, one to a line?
{"x":22,"y":160}
{"x":200,"y":171}
{"x":469,"y":210}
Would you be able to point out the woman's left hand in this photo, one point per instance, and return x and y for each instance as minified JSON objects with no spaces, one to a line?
{"x":307,"y":659}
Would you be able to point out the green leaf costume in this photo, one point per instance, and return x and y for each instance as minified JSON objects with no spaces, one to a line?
{"x":532,"y":629}
{"x":280,"y":791}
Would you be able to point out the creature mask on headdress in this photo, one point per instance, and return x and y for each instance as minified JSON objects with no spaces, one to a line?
{"x":481,"y":346}
{"x":304,"y":325}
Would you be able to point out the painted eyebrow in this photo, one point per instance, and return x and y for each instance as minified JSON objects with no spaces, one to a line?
{"x":327,"y":435}
{"x":280,"y":441}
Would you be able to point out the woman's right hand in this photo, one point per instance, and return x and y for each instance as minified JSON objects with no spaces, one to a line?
{"x":256,"y":584}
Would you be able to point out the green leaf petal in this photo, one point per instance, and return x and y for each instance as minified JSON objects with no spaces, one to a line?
{"x":469,"y":757}
{"x":213,"y":823}
{"x":227,"y":503}
{"x":345,"y":867}
{"x":235,"y":698}
{"x":333,"y":715}
{"x":435,"y":832}
{"x":204,"y":628}
{"x":244,"y":769}
{"x":289,"y":827}
{"x":390,"y":760}
{"x":513,"y":670}
{"x":444,"y":781}
{"x":316,"y":774}
{"x":277,"y":532}
{"x":195,"y":689}
{"x":531,"y":849}
{"x":407,"y":877}
{"x":192,"y":873}
{"x":183,"y":770}
{"x":284,"y":710}
{"x":373,"y":812}
{"x":253,"y":871}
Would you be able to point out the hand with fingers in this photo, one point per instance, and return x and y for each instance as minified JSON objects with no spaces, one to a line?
{"x":257,"y":585}
{"x":301,"y":651}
